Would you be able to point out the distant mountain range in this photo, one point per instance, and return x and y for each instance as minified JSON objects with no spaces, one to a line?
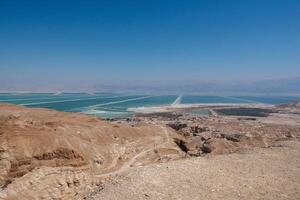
{"x":288,"y":86}
{"x":264,"y":87}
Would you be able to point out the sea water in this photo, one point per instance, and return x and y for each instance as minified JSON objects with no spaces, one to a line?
{"x":109,"y":105}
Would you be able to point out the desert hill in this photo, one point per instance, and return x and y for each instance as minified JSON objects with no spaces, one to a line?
{"x":47,"y":154}
{"x":51,"y":154}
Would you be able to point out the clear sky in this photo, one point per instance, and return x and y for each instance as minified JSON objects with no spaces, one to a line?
{"x":84,"y":43}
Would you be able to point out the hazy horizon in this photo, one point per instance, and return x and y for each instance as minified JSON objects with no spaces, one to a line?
{"x":271,"y":87}
{"x":150,"y":46}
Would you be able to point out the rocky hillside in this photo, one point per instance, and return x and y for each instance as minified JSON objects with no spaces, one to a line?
{"x":50,"y":154}
{"x":47,"y":154}
{"x":262,"y":173}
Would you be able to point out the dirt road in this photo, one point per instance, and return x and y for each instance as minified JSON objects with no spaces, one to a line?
{"x":127,"y":165}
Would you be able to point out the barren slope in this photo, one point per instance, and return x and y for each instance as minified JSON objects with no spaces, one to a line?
{"x":51,"y":154}
{"x":46,"y":154}
{"x":262,"y":173}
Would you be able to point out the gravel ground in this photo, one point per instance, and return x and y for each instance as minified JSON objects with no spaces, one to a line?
{"x":262,"y":173}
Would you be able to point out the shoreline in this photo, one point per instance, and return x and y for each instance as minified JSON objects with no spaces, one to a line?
{"x":178,"y":107}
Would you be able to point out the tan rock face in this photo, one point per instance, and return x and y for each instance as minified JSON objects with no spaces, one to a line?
{"x":61,"y":153}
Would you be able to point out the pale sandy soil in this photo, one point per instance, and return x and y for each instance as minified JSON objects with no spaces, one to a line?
{"x":46,"y":154}
{"x":282,"y":118}
{"x":262,"y":173}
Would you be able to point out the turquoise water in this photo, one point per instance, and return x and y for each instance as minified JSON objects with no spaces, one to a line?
{"x":110,"y":105}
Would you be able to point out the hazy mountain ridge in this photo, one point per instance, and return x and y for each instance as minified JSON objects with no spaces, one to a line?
{"x":287,"y":86}
{"x":265,"y":87}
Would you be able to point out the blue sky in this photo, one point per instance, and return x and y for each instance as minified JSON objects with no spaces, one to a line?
{"x":79,"y":44}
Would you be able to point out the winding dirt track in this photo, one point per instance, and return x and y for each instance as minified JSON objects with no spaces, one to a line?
{"x":262,"y":173}
{"x":127,"y":165}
